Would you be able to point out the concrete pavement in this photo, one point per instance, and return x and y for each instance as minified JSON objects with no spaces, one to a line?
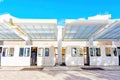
{"x":59,"y":73}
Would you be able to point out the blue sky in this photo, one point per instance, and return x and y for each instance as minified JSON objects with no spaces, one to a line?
{"x":59,"y":9}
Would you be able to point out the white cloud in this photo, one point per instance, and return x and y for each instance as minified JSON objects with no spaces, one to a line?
{"x":1,"y":1}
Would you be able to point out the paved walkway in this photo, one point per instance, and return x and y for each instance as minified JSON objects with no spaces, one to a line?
{"x":60,"y":73}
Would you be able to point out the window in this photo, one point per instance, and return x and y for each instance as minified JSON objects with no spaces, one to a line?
{"x":5,"y":52}
{"x":91,"y":52}
{"x":27,"y":52}
{"x":98,"y":53}
{"x":85,"y":50}
{"x":46,"y":51}
{"x":24,"y":52}
{"x":21,"y":52}
{"x":107,"y":51}
{"x":0,"y":50}
{"x":8,"y":52}
{"x":81,"y":52}
{"x":74,"y":52}
{"x":11,"y":52}
{"x":114,"y":51}
{"x":77,"y":52}
{"x":95,"y":52}
{"x":40,"y":51}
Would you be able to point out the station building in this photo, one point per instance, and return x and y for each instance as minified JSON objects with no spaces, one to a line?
{"x":43,"y":42}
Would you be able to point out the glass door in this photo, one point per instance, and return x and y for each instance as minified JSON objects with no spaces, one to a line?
{"x":0,"y":54}
{"x":56,"y":55}
{"x":34,"y":56}
{"x":63,"y":57}
{"x":46,"y":57}
{"x":118,"y":49}
{"x":86,"y":56}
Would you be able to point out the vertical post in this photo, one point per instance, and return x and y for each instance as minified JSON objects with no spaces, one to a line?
{"x":116,"y":42}
{"x":28,"y":42}
{"x":91,"y":42}
{"x":59,"y":39}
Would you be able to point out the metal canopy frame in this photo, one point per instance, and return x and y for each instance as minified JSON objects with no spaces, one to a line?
{"x":82,"y":29}
{"x":112,"y":33}
{"x":47,"y":29}
{"x":39,"y":31}
{"x":27,"y":29}
{"x":7,"y":33}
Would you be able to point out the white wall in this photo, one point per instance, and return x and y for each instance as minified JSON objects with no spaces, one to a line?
{"x":15,"y":60}
{"x":50,"y":61}
{"x":44,"y":43}
{"x":47,"y":61}
{"x":72,"y":61}
{"x":14,"y":43}
{"x":104,"y":60}
{"x":74,"y":43}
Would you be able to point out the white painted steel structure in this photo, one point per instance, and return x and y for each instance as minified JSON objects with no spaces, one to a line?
{"x":81,"y":42}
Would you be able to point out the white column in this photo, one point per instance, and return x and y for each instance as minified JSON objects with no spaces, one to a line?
{"x":28,"y":42}
{"x":113,"y":43}
{"x":116,"y":42}
{"x":91,"y":42}
{"x":59,"y":39}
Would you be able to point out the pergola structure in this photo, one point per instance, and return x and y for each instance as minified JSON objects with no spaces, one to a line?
{"x":90,"y":30}
{"x":82,"y":29}
{"x":104,"y":28}
{"x":12,"y":28}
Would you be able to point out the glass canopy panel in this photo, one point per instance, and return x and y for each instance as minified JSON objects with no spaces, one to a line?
{"x":71,"y":36}
{"x":116,"y":37}
{"x":2,"y":36}
{"x":113,"y":33}
{"x":12,"y":35}
{"x":9,"y":36}
{"x":36,"y":35}
{"x":66,"y":35}
{"x":31,"y":35}
{"x":39,"y":31}
{"x":42,"y":36}
{"x":77,"y":36}
{"x":69,"y":27}
{"x":81,"y":32}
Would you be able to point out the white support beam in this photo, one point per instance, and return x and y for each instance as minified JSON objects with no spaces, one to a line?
{"x":91,"y":42}
{"x":18,"y":31}
{"x":75,"y":39}
{"x":59,"y":38}
{"x":101,"y":32}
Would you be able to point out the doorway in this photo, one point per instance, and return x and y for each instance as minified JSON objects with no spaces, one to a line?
{"x":63,"y":56}
{"x":86,"y":56}
{"x":0,"y":54}
{"x":118,"y":49}
{"x":56,"y":55}
{"x":33,"y":56}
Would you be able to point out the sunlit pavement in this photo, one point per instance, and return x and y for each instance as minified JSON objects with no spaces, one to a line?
{"x":60,"y":73}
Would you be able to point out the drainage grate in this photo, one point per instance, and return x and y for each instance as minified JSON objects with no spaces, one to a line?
{"x":31,"y":69}
{"x":92,"y":68}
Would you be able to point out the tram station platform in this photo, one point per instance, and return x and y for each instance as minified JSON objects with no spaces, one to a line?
{"x":61,"y":68}
{"x":59,"y":73}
